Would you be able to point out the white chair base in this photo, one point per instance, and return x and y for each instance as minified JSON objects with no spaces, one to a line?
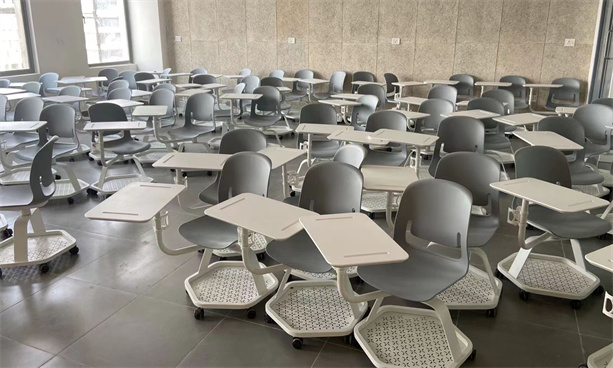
{"x":257,"y":243}
{"x":312,"y":276}
{"x":374,"y":202}
{"x":114,"y":183}
{"x":603,"y":358}
{"x":473,"y":292}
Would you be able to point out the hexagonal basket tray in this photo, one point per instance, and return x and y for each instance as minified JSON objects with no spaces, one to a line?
{"x":42,"y":248}
{"x":473,"y":291}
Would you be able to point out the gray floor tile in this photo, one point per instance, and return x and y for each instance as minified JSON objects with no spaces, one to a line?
{"x":57,"y":316}
{"x":592,"y":345}
{"x":236,"y":343}
{"x":334,"y":355}
{"x":146,"y":333}
{"x":14,"y":354}
{"x":61,"y":362}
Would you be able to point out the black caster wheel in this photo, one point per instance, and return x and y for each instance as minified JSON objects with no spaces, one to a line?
{"x":132,"y":161}
{"x":575,"y":304}
{"x":70,"y":159}
{"x":44,"y":268}
{"x":492,"y":312}
{"x":74,"y":250}
{"x":58,"y":177}
{"x":89,"y":158}
{"x":99,"y":163}
{"x":209,"y":173}
{"x":524,"y":295}
{"x":598,"y":291}
{"x":251,"y":313}
{"x":473,"y":355}
{"x":297,"y":342}
{"x":199,"y":314}
{"x":70,"y":200}
{"x":0,"y":274}
{"x":268,"y":319}
{"x":184,"y":174}
{"x":7,"y":233}
{"x":91,"y":192}
{"x":261,"y":256}
{"x":371,"y":215}
{"x":200,"y":250}
{"x":292,"y":194}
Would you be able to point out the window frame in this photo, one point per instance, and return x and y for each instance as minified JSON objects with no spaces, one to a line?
{"x":128,"y":35}
{"x":25,"y":12}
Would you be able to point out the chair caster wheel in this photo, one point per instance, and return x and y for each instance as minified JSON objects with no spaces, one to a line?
{"x":7,"y":233}
{"x":199,"y":314}
{"x":70,"y":200}
{"x":44,"y":268}
{"x":99,"y":163}
{"x":297,"y":342}
{"x":92,"y":192}
{"x":575,"y":304}
{"x":209,"y":173}
{"x":251,"y":313}
{"x":351,"y":340}
{"x":268,"y":319}
{"x":58,"y":177}
{"x":499,"y":275}
{"x":492,"y":312}
{"x":70,"y":159}
{"x":200,"y":250}
{"x":0,"y":274}
{"x":292,"y":194}
{"x":473,"y":355}
{"x":524,"y":295}
{"x":89,"y":158}
{"x":74,"y":250}
{"x":261,"y":256}
{"x":598,"y":291}
{"x":125,"y":162}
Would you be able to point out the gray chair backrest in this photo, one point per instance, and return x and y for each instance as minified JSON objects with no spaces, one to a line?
{"x":119,"y":94}
{"x":163,"y":97}
{"x":269,"y":102}
{"x":322,"y":193}
{"x":47,"y":80}
{"x":168,"y":86}
{"x":543,"y":163}
{"x":242,"y":140}
{"x":444,"y":92}
{"x":199,"y":107}
{"x":608,"y":101}
{"x":29,"y":109}
{"x":389,"y":119}
{"x":457,"y":134}
{"x":244,"y":71}
{"x":5,"y":83}
{"x":196,"y":72}
{"x":351,"y":154}
{"x":139,"y":76}
{"x":121,"y":83}
{"x":361,"y":76}
{"x":567,"y":95}
{"x":516,"y":88}
{"x":244,"y":172}
{"x":436,"y":108}
{"x":129,"y":76}
{"x":318,"y":113}
{"x":389,"y":79}
{"x":466,"y":85}
{"x":60,"y":122}
{"x":165,"y":72}
{"x":375,"y":90}
{"x":426,"y":205}
{"x":42,"y":179}
{"x":271,"y":81}
{"x":74,"y":91}
{"x":595,"y":118}
{"x":487,"y":104}
{"x":337,"y":82}
{"x":109,"y":73}
{"x":368,"y":106}
{"x":239,"y":88}
{"x":504,"y":97}
{"x":33,"y":87}
{"x":3,"y":105}
{"x":475,"y":172}
{"x":277,"y":73}
{"x":251,"y":83}
{"x":204,"y":79}
{"x":104,"y":112}
{"x":303,"y":74}
{"x":568,"y":128}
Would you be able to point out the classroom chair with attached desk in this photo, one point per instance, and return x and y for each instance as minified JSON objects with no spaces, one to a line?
{"x":391,"y":154}
{"x":465,"y":87}
{"x":444,"y":92}
{"x":299,"y":89}
{"x":436,"y":108}
{"x":517,"y":89}
{"x":567,"y":95}
{"x":337,"y":81}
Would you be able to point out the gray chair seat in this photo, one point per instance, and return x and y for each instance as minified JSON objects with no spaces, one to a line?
{"x":209,"y":232}
{"x":15,"y":196}
{"x":209,"y":194}
{"x":18,"y":139}
{"x":294,"y":201}
{"x":581,"y":174}
{"x":190,"y":132}
{"x":262,"y":120}
{"x":323,"y":149}
{"x":127,"y":147}
{"x":481,"y":229}
{"x":496,"y":142}
{"x":521,"y":104}
{"x":592,"y":149}
{"x":384,"y":158}
{"x":298,"y":252}
{"x":578,"y":225}
{"x":406,"y":279}
{"x":323,"y":95}
{"x":27,"y":154}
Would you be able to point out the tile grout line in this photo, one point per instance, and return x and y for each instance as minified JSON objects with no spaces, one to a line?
{"x":199,"y":342}
{"x":318,"y":354}
{"x":580,"y":337}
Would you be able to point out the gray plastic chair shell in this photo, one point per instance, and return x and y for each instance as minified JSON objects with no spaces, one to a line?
{"x":361,"y":76}
{"x":375,"y":90}
{"x":318,"y":113}
{"x":361,"y":113}
{"x":168,"y":86}
{"x":128,"y":75}
{"x":517,"y":89}
{"x":32,"y":87}
{"x":444,"y":92}
{"x":47,"y":80}
{"x":436,"y":107}
{"x":120,"y":83}
{"x":391,"y":89}
{"x":466,"y":84}
{"x":204,"y":79}
{"x":504,"y":97}
{"x":567,"y":95}
{"x":140,"y":76}
{"x":5,"y":83}
{"x":29,"y":109}
{"x":457,"y":134}
{"x":74,"y":91}
{"x":109,"y":73}
{"x":595,"y":119}
{"x":608,"y":101}
{"x":388,"y":119}
{"x":4,"y":103}
{"x":119,"y":94}
{"x":266,"y":110}
{"x":277,"y":73}
{"x":351,"y":154}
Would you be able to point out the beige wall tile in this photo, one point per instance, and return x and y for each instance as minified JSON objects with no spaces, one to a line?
{"x":360,"y":21}
{"x":436,"y":21}
{"x":479,"y":21}
{"x":397,"y":19}
{"x":292,"y":57}
{"x":325,"y":21}
{"x":359,"y":56}
{"x":325,"y":58}
{"x":261,"y":20}
{"x":293,"y":20}
{"x":572,"y":19}
{"x":262,"y":57}
{"x":397,"y":59}
{"x":231,"y":20}
{"x":205,"y":54}
{"x":524,"y":21}
{"x":177,"y":19}
{"x":433,"y":61}
{"x":203,"y":20}
{"x":476,"y":59}
{"x":571,"y":62}
{"x":232,"y":56}
{"x":182,"y":54}
{"x":524,"y":59}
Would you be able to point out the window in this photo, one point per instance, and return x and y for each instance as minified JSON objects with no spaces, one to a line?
{"x":15,"y":50}
{"x":106,"y":33}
